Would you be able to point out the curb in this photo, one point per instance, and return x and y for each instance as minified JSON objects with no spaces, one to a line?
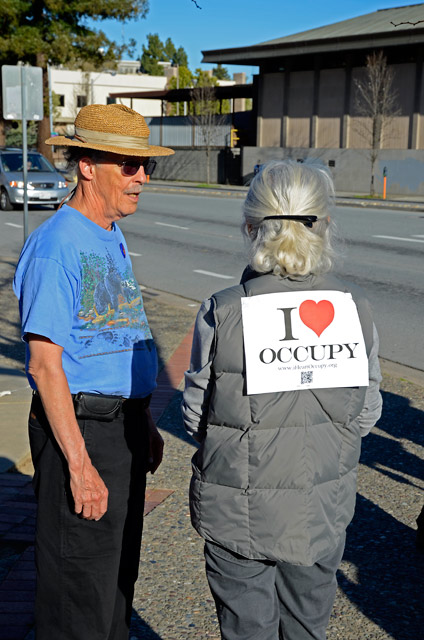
{"x":379,"y":204}
{"x":199,"y":191}
{"x":402,"y":371}
{"x":242,"y":191}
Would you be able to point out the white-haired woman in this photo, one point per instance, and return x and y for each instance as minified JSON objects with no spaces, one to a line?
{"x":283,"y":383}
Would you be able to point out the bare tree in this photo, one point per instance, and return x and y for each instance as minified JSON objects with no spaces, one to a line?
{"x":205,"y":114}
{"x":376,"y":104}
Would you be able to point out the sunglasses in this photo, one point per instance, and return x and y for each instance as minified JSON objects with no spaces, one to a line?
{"x":131,"y":167}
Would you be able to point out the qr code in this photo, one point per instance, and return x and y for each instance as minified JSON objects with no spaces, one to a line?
{"x":306,"y":377}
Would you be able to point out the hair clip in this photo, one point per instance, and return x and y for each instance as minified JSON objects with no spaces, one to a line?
{"x":307,"y":220}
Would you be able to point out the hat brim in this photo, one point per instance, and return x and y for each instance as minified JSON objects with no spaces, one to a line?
{"x":150,"y":151}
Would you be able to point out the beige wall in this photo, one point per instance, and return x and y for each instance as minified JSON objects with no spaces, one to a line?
{"x":420,"y":117}
{"x":396,"y":135}
{"x":270,"y":114}
{"x":299,"y":127}
{"x":396,"y":130}
{"x":330,"y":108}
{"x":359,"y":132}
{"x":300,"y":109}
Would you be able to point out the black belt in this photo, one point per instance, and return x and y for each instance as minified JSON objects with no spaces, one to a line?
{"x":95,"y":406}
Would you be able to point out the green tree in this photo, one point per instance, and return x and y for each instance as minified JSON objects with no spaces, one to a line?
{"x":56,"y":32}
{"x":185,"y":80}
{"x":156,"y":51}
{"x":204,"y":79}
{"x":13,"y":134}
{"x":180,"y":57}
{"x":152,"y":54}
{"x":220,"y":72}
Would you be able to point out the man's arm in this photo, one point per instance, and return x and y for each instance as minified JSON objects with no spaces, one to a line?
{"x":45,"y":366}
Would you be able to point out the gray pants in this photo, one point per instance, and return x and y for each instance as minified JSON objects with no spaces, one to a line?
{"x":264,"y":600}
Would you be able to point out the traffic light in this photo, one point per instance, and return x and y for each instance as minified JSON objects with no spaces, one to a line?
{"x":233,"y":137}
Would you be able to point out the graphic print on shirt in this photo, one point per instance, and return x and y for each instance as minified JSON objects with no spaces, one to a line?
{"x":112,"y":312}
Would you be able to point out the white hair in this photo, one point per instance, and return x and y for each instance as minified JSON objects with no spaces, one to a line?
{"x":288,"y":247}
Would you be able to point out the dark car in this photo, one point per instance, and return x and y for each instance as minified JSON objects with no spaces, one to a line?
{"x":45,"y":184}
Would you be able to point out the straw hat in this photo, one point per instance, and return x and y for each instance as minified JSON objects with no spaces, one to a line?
{"x":113,"y":128}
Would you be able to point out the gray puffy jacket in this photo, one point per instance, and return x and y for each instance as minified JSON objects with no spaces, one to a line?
{"x":275,"y":477}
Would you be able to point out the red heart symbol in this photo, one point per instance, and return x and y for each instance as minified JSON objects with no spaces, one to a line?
{"x":316,"y":315}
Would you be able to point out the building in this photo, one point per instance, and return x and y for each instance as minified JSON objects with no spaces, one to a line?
{"x":75,"y":89}
{"x":304,"y":98}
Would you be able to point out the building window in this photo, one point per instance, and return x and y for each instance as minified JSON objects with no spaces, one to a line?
{"x":81,"y":101}
{"x":60,"y":100}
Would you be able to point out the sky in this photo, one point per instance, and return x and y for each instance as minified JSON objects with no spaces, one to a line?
{"x":234,"y":23}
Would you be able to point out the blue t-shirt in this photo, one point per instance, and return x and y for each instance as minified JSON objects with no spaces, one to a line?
{"x":75,"y":286}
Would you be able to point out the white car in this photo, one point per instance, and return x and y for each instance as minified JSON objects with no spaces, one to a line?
{"x":45,"y":184}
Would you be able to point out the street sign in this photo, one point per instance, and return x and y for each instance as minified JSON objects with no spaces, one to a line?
{"x":13,"y":77}
{"x":26,"y":104}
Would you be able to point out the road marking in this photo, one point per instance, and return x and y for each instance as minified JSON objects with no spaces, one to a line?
{"x":414,"y":236}
{"x":214,"y":275}
{"x":136,"y":255}
{"x":174,"y":226}
{"x":397,"y":238}
{"x":12,"y":224}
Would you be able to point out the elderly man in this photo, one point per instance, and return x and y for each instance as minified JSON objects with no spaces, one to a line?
{"x":92,"y":364}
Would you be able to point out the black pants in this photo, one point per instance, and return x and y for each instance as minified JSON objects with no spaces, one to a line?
{"x":265,"y":600}
{"x":86,"y":570}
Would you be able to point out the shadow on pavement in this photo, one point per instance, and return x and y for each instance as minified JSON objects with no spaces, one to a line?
{"x":172,"y":422}
{"x":400,"y":419}
{"x":388,"y":455}
{"x":387,"y":587}
{"x":140,"y":630}
{"x":17,"y":570}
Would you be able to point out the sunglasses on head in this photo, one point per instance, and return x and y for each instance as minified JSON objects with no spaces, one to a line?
{"x":131,"y":167}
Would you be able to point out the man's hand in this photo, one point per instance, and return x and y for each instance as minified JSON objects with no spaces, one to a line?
{"x":89,"y":492}
{"x":155,"y":444}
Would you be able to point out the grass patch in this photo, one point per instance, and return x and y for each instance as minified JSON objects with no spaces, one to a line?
{"x":204,"y":185}
{"x":368,"y":197}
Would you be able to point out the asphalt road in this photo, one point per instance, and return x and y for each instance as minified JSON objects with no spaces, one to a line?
{"x":192,"y":246}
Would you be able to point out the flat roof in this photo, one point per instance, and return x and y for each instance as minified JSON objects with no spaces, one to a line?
{"x":184,"y":95}
{"x":385,"y":27}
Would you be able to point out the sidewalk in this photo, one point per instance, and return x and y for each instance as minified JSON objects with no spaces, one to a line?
{"x":379,"y":594}
{"x":407,"y":203}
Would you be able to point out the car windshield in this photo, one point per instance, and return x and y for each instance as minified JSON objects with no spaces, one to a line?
{"x":35,"y":162}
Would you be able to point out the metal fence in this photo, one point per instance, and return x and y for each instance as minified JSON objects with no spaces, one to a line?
{"x":181,"y":131}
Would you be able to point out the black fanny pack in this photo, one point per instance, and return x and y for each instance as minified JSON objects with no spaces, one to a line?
{"x":92,"y":406}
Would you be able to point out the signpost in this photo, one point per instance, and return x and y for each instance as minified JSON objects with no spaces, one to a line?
{"x":23,"y":105}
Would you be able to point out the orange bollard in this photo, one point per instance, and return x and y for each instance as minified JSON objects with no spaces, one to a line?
{"x":384,"y":187}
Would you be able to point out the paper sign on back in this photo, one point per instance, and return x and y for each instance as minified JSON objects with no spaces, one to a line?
{"x":303,"y":340}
